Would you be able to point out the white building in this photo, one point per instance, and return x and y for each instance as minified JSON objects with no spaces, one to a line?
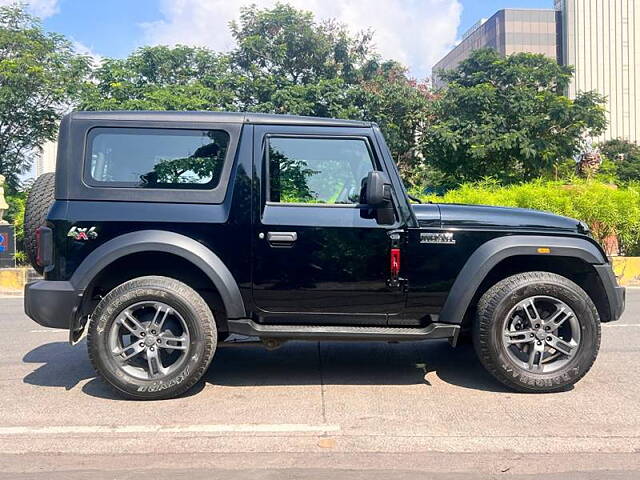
{"x":46,"y":161}
{"x":601,"y":39}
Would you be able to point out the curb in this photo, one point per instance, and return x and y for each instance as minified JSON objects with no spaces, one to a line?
{"x":13,"y":280}
{"x":627,"y":270}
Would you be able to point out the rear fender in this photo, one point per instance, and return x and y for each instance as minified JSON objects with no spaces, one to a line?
{"x":166,"y":242}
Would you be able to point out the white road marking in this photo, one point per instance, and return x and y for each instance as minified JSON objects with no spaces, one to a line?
{"x":621,"y":325}
{"x":222,"y":428}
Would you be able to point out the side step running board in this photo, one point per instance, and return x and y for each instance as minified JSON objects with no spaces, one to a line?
{"x":320,"y":332}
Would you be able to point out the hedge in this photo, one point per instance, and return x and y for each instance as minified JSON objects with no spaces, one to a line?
{"x":609,"y":210}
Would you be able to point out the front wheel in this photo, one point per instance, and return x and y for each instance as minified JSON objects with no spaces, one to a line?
{"x":152,"y":338}
{"x":537,"y":332}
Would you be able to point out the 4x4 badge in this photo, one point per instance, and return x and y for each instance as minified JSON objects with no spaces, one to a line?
{"x":78,"y":233}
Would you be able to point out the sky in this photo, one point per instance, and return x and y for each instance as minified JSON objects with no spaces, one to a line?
{"x":415,"y":32}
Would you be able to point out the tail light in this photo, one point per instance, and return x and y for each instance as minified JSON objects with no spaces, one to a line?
{"x":44,"y":246}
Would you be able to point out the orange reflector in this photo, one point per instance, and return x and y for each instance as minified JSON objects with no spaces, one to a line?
{"x":544,"y":250}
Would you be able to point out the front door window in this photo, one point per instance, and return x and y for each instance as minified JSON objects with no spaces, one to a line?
{"x":325,"y":171}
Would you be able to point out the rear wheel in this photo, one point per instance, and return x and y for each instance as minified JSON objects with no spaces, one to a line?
{"x":537,"y":332}
{"x":152,"y":338}
{"x":40,"y":198}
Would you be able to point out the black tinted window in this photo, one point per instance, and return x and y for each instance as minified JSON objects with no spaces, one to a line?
{"x":317,"y":170}
{"x":157,"y":158}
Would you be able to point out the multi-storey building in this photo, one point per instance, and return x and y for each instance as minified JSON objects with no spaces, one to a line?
{"x":508,"y":31}
{"x":601,"y":39}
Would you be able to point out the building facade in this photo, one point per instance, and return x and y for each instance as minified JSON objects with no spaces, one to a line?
{"x":46,"y":161}
{"x":601,"y":39}
{"x":508,"y":31}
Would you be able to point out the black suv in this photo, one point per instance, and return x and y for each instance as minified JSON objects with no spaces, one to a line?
{"x":167,"y":234}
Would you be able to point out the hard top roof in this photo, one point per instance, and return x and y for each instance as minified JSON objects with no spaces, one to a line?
{"x":221,"y":117}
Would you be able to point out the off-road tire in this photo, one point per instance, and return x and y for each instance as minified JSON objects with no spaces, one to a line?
{"x":39,"y":201}
{"x":501,"y":298}
{"x":182,"y":298}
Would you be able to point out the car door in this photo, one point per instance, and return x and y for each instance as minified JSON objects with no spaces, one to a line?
{"x":318,"y":258}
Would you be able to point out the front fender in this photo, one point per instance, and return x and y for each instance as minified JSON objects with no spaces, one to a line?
{"x":489,"y":254}
{"x":167,"y":242}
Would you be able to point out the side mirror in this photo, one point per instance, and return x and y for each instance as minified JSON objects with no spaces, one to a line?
{"x":376,"y":194}
{"x":378,"y":189}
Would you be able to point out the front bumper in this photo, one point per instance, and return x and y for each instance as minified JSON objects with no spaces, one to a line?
{"x":52,"y":304}
{"x":616,"y":295}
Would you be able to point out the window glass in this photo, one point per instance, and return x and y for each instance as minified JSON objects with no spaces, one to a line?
{"x":317,"y":170}
{"x":157,"y":158}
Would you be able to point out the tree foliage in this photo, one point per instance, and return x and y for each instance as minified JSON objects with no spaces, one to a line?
{"x":40,"y":74}
{"x":289,"y":45}
{"x":506,"y":117}
{"x":160,"y":78}
{"x":625,"y":156}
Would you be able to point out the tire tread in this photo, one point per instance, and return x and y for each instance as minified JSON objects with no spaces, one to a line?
{"x":482,"y":326}
{"x":39,"y":201}
{"x":205,"y":320}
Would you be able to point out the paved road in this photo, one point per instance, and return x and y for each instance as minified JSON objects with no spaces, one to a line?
{"x":340,"y":410}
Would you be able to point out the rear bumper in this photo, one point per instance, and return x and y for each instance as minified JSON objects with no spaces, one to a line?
{"x":616,"y":295}
{"x":52,"y":304}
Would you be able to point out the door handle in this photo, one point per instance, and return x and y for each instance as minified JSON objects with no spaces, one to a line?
{"x":282,"y":238}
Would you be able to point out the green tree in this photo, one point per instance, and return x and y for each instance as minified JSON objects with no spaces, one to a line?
{"x":286,"y":62}
{"x":507,"y":117}
{"x":161,"y":78}
{"x":399,"y":105}
{"x":289,"y":45}
{"x":625,"y":155}
{"x":40,"y":75}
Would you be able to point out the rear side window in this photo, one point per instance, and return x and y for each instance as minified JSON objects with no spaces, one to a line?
{"x":156,"y":158}
{"x":317,"y":170}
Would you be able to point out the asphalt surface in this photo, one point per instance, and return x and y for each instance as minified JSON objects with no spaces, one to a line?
{"x":328,"y":410}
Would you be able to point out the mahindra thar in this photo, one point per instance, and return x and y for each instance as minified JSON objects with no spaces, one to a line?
{"x":163,"y":235}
